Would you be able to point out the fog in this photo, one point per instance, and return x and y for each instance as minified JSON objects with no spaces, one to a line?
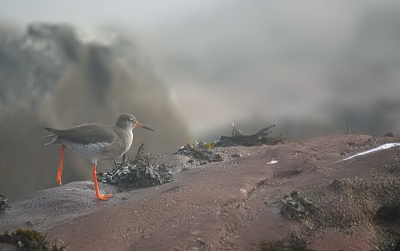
{"x":309,"y":67}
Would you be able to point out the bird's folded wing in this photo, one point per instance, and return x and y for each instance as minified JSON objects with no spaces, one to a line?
{"x":86,"y":134}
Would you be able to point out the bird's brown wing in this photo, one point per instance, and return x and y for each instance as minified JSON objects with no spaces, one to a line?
{"x":86,"y":133}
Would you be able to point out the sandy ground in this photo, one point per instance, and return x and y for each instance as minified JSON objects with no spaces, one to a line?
{"x":234,"y":204}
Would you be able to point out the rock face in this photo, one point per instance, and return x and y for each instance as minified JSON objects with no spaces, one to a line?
{"x":60,"y":76}
{"x":235,"y":204}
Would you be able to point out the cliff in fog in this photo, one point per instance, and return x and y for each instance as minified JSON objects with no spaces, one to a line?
{"x":57,"y":75}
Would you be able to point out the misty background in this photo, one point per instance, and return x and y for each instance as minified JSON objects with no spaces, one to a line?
{"x":188,"y":69}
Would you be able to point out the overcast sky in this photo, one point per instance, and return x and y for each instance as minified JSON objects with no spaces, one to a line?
{"x":93,"y":12}
{"x":272,"y":53}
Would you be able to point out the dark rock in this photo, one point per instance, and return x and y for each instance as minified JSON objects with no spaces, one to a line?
{"x":389,"y":134}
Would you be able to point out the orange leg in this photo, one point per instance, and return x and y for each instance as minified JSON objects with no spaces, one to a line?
{"x":96,"y":186}
{"x":60,"y":167}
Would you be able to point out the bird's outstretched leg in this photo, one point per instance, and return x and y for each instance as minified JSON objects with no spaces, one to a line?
{"x":60,"y":167}
{"x":96,"y":186}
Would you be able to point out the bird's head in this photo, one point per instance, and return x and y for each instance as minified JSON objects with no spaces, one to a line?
{"x":127,"y":121}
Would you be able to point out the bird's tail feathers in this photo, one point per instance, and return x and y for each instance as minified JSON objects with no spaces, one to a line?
{"x":53,"y":141}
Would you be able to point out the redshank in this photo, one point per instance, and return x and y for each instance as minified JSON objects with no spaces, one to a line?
{"x":96,"y":142}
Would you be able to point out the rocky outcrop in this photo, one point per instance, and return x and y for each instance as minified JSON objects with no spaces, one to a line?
{"x":236,"y":204}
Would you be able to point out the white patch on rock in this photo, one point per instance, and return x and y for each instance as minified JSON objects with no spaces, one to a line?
{"x":382,"y":147}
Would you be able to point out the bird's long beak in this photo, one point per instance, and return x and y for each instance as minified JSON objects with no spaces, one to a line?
{"x":143,"y":126}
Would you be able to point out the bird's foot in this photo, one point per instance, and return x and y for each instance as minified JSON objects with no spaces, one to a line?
{"x":60,"y":167}
{"x":103,"y":196}
{"x":58,"y":178}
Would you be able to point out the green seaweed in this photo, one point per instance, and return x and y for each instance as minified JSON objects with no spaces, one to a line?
{"x":139,"y":172}
{"x":200,"y":150}
{"x":295,"y":205}
{"x":28,"y":240}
